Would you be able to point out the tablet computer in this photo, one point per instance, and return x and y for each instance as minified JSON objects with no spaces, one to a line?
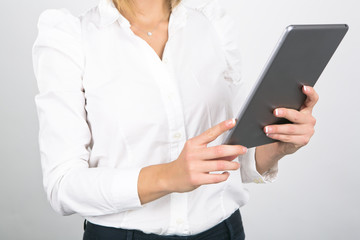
{"x":298,"y":59}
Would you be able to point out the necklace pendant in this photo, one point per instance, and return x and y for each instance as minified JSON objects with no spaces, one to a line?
{"x":149,"y":34}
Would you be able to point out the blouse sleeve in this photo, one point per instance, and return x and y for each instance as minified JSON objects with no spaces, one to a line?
{"x":224,"y":25}
{"x":64,"y":134}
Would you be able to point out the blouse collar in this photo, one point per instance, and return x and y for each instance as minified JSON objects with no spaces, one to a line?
{"x":109,"y":14}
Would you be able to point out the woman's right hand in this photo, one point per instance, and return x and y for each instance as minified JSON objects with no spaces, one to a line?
{"x":196,"y":160}
{"x":193,"y":166}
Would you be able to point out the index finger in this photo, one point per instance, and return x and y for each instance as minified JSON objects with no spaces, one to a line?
{"x":212,"y":133}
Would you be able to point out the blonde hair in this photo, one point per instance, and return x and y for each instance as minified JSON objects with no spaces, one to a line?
{"x":128,"y":5}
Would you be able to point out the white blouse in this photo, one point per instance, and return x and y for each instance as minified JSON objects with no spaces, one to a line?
{"x":109,"y":106}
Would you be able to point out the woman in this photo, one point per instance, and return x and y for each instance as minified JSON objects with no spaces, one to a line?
{"x":134,"y":98}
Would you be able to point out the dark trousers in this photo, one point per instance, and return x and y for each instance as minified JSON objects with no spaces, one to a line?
{"x":229,"y":229}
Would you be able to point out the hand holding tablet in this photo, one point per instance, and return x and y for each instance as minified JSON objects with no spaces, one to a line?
{"x":298,"y":60}
{"x":298,"y":133}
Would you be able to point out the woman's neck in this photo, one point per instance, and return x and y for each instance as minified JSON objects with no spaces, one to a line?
{"x":150,"y":12}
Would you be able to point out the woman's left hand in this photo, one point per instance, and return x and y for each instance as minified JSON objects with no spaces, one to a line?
{"x":298,"y":133}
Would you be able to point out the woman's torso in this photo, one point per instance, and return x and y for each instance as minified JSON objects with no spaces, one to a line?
{"x":141,"y":110}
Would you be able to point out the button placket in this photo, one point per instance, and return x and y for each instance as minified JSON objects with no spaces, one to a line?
{"x":167,"y":84}
{"x":179,"y":201}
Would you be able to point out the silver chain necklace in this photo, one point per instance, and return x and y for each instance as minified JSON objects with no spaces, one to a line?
{"x":148,"y":33}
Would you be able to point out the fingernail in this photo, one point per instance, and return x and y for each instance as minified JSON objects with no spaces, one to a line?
{"x":245,"y":149}
{"x":231,"y":122}
{"x":267,"y":129}
{"x":277,"y":112}
{"x":305,"y":88}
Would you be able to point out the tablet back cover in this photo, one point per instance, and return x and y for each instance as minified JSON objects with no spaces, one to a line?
{"x":299,"y":59}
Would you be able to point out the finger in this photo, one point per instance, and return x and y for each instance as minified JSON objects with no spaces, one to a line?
{"x":295,"y":139}
{"x":289,"y":129}
{"x":311,"y":97}
{"x":220,"y":151}
{"x":209,"y":178}
{"x":303,"y":107}
{"x":229,"y":158}
{"x":212,"y":133}
{"x":218,"y":165}
{"x":291,"y":114}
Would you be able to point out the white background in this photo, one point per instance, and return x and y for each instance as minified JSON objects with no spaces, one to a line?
{"x":316,"y":195}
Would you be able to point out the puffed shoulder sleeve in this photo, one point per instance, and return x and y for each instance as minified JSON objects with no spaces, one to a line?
{"x":225,"y":25}
{"x":64,"y":134}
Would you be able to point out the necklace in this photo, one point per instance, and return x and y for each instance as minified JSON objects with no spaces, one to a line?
{"x":148,"y":33}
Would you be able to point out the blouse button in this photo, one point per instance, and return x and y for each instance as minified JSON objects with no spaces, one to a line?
{"x":165,"y":60}
{"x":177,"y":135}
{"x":170,"y":95}
{"x":179,"y":221}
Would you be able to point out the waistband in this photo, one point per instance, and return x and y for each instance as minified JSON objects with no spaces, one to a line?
{"x":231,"y":227}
